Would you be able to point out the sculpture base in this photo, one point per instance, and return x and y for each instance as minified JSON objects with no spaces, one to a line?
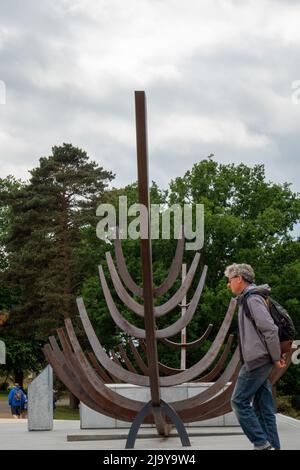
{"x":90,"y":419}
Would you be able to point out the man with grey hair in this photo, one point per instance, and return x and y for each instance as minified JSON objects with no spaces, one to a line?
{"x":252,"y":398}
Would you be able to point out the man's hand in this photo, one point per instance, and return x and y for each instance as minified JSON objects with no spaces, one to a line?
{"x":280,"y":364}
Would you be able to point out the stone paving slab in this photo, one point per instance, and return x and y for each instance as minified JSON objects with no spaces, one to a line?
{"x":14,"y":435}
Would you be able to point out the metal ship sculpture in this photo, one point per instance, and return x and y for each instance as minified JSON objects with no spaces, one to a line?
{"x":86,"y":375}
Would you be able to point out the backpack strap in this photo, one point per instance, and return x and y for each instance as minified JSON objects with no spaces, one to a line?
{"x":246,"y":306}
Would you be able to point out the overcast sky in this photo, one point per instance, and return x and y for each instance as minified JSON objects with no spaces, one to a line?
{"x":218,"y":77}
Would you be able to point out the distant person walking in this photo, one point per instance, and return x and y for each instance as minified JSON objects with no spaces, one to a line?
{"x":252,"y":399}
{"x":17,"y":401}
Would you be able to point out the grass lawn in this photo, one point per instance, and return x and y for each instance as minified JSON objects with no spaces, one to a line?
{"x":284,"y":406}
{"x":64,"y":412}
{"x":3,"y":396}
{"x":60,"y":412}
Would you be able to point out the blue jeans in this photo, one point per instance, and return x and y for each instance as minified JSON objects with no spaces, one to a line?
{"x":253,"y":404}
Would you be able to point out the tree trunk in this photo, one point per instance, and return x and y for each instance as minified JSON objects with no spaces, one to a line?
{"x":19,"y":377}
{"x":74,"y":402}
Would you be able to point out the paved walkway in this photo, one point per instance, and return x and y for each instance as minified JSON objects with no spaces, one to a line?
{"x":4,"y":409}
{"x":14,"y":435}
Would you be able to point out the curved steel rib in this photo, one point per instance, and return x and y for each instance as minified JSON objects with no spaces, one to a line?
{"x":162,"y":367}
{"x":192,"y":344}
{"x":138,"y":358}
{"x":163,"y":333}
{"x":158,"y":310}
{"x":169,"y":281}
{"x":210,"y":377}
{"x":168,"y":370}
{"x":195,"y":410}
{"x":185,"y":408}
{"x":101,"y":355}
{"x":122,"y":268}
{"x":120,"y":290}
{"x":208,"y":358}
{"x":126,"y":359}
{"x":107,"y":402}
{"x":68,"y":377}
{"x":101,"y":372}
{"x":171,"y":370}
{"x":112,"y":403}
{"x":214,"y":389}
{"x":137,"y":379}
{"x":181,"y":292}
{"x":174,"y":269}
{"x":132,"y":405}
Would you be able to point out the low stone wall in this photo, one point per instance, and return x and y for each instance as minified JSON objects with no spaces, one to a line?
{"x":90,"y":419}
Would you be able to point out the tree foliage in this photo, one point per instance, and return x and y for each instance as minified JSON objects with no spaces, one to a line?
{"x":52,"y":251}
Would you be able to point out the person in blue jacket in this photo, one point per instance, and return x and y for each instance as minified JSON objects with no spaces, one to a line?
{"x":17,"y":401}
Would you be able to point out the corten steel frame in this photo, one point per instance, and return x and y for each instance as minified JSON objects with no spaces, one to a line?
{"x":86,"y":375}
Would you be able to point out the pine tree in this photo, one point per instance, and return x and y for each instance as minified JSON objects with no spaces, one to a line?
{"x":48,"y":214}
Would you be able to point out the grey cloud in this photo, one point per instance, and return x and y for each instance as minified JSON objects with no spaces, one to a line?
{"x":64,"y":86}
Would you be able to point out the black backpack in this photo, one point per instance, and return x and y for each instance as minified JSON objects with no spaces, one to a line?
{"x":281,"y":318}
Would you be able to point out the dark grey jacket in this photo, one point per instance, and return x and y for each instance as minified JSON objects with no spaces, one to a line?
{"x":259,"y":341}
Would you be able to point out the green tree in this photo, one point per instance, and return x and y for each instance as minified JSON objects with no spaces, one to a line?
{"x":47,"y":216}
{"x":246,"y":217}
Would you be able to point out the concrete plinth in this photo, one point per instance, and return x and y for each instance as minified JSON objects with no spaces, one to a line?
{"x":40,"y":402}
{"x":90,"y":419}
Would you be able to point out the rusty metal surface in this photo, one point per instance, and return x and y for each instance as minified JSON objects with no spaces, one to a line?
{"x":182,"y":322}
{"x":160,"y":310}
{"x":137,"y":379}
{"x":126,"y":359}
{"x":198,"y":411}
{"x":68,"y":377}
{"x":116,"y":359}
{"x":134,"y":404}
{"x":101,"y":354}
{"x":131,"y":303}
{"x":168,"y":370}
{"x":210,"y":377}
{"x":204,"y":395}
{"x":122,"y":268}
{"x":206,"y":361}
{"x":181,"y":292}
{"x":169,"y":281}
{"x":143,"y":367}
{"x":67,"y":374}
{"x":174,"y":269}
{"x":132,"y":330}
{"x":145,"y":244}
{"x":100,"y":371}
{"x":162,"y":367}
{"x":192,"y":344}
